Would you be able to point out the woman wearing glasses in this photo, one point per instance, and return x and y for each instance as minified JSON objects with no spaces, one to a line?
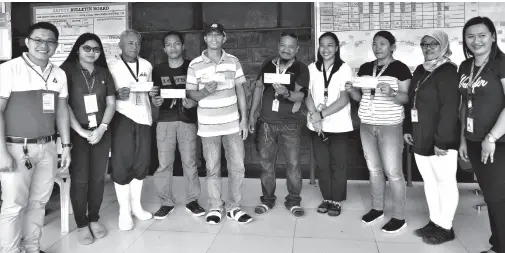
{"x":381,"y":113}
{"x":432,"y":128}
{"x":482,"y":86}
{"x":91,"y":107}
{"x":330,"y":121}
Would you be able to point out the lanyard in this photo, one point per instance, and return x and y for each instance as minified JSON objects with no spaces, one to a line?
{"x":419,"y":83}
{"x":41,"y":76}
{"x":327,"y":82}
{"x":471,"y":81}
{"x":278,"y":71}
{"x":136,"y":77}
{"x":90,"y":87}
{"x":375,"y":66}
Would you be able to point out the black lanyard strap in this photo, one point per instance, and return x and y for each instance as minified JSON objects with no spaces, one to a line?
{"x":136,"y":77}
{"x":471,"y":80}
{"x":419,"y":83}
{"x":327,"y":81}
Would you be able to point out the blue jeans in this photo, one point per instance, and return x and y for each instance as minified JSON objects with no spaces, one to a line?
{"x":270,"y":136}
{"x":168,"y":136}
{"x":383,"y":148}
{"x":234,"y":152}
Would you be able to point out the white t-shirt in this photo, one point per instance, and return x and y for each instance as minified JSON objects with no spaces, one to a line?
{"x":138,"y":106}
{"x":339,"y":122}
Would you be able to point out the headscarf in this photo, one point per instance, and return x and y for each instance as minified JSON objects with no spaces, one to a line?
{"x":445,"y":53}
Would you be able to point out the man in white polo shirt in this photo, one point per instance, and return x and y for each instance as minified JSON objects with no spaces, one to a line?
{"x":33,"y":97}
{"x":131,"y":128}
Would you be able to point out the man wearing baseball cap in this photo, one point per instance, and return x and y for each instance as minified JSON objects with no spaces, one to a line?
{"x":215,"y":79}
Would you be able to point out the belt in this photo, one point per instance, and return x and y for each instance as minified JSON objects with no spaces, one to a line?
{"x":40,"y":140}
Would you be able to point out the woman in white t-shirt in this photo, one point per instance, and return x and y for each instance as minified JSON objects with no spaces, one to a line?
{"x":330,"y":121}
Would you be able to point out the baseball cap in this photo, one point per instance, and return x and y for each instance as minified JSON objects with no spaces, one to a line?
{"x":215,"y":27}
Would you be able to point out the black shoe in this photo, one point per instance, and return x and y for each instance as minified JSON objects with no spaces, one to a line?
{"x":394,"y":225}
{"x":195,"y":208}
{"x":426,"y":230}
{"x":323,"y":208}
{"x":334,"y":209}
{"x":372,"y":216}
{"x":439,"y":236}
{"x":163,"y":212}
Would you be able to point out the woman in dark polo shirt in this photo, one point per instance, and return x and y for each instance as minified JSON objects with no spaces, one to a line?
{"x":432,"y":127}
{"x":482,"y":86}
{"x":91,"y":107}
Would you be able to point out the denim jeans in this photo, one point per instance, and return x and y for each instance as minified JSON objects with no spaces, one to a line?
{"x":168,"y":136}
{"x":234,"y":152}
{"x":270,"y":137}
{"x":383,"y":148}
{"x":25,"y":194}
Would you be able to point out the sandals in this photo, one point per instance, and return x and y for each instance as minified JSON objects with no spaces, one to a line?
{"x":214,"y":217}
{"x":261,"y":209}
{"x":323,"y":208}
{"x":239,"y":215}
{"x":297,"y":211}
{"x":334,"y":209}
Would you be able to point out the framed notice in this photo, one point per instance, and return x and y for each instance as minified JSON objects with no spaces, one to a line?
{"x":107,"y":20}
{"x":5,"y":31}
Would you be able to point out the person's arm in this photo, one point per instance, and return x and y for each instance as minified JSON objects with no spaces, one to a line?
{"x":449,"y":98}
{"x":310,"y":103}
{"x":63,"y":121}
{"x":301,"y":85}
{"x":498,"y":129}
{"x":336,"y":106}
{"x":256,"y":97}
{"x":241,"y":100}
{"x":192,"y":90}
{"x":402,"y":96}
{"x":110,"y":109}
{"x":74,"y":124}
{"x":3,"y":105}
{"x":355,"y":94}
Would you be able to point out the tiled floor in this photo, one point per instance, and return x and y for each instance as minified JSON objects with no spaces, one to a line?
{"x":275,"y":232}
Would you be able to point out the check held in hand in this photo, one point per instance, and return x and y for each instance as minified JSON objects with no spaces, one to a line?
{"x":141,"y":87}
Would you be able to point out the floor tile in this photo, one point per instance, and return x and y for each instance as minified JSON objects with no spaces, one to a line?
{"x":450,"y":247}
{"x":316,"y":245}
{"x":165,"y":241}
{"x":251,"y":244}
{"x":181,"y":220}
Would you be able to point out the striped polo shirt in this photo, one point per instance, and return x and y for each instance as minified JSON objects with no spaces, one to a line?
{"x":23,"y":84}
{"x":382,"y":110}
{"x":218,"y":112}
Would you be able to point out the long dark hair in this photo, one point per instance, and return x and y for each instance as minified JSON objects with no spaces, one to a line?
{"x":337,"y":63}
{"x":73,"y":56}
{"x":495,"y":50}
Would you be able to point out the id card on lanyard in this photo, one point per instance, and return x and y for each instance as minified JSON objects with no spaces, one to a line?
{"x":136,"y":77}
{"x":276,"y":102}
{"x":327,"y":81}
{"x":48,"y":99}
{"x":372,"y":91}
{"x":90,"y":102}
{"x":414,"y":113}
{"x":470,"y":94}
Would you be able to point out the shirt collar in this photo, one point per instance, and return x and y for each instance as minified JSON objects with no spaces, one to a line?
{"x":80,"y":67}
{"x":276,"y":59}
{"x":35,"y":66}
{"x":206,"y":59}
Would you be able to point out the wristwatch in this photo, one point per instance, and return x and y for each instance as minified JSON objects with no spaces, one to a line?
{"x":288,"y":94}
{"x":105,"y":125}
{"x":394,"y":93}
{"x":491,"y":138}
{"x":69,"y":145}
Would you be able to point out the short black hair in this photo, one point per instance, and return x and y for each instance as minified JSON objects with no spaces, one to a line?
{"x":386,"y":35}
{"x":44,"y":25}
{"x":289,"y":34}
{"x":170,"y":33}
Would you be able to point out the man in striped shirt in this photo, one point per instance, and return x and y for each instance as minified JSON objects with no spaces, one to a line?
{"x":215,"y":80}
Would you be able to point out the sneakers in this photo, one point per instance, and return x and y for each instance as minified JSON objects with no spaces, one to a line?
{"x":334,"y":209}
{"x":439,"y":235}
{"x":426,"y":230}
{"x":163,"y":212}
{"x":372,"y":216}
{"x":323,"y":208}
{"x":195,"y":208}
{"x":394,"y":225}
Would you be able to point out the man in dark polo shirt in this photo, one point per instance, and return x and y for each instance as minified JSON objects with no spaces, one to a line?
{"x":281,"y":87}
{"x":33,"y":103}
{"x":176,"y":127}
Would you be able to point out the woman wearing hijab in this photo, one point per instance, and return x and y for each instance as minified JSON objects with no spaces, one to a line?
{"x":433,"y":129}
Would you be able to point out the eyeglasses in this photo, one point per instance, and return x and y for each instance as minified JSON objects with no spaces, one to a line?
{"x":88,"y":49}
{"x":431,"y":45}
{"x":39,"y":42}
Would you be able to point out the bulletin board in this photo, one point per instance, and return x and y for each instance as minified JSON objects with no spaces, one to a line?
{"x":107,"y":20}
{"x":355,"y":24}
{"x":5,"y":31}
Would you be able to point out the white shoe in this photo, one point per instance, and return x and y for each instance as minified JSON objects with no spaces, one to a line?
{"x":125,"y":222}
{"x":136,"y":207}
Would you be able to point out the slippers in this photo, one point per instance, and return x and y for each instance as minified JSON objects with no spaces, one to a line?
{"x":261,"y":209}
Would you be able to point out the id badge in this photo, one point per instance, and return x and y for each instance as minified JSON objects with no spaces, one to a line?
{"x":47,"y":102}
{"x":414,"y":116}
{"x":275,"y":105}
{"x":320,"y":107}
{"x":92,"y":120}
{"x":90,"y":103}
{"x":469,"y":124}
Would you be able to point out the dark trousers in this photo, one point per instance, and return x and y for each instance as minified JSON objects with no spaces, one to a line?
{"x":331,"y":160}
{"x":87,"y":172}
{"x":270,"y":137}
{"x":131,"y":150}
{"x":491,"y":179}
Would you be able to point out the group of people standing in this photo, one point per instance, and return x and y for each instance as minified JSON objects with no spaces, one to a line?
{"x":439,"y":110}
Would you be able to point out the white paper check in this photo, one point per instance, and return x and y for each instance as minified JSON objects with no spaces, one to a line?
{"x":173,"y":93}
{"x":141,"y":87}
{"x":276,"y":78}
{"x":367,"y":82}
